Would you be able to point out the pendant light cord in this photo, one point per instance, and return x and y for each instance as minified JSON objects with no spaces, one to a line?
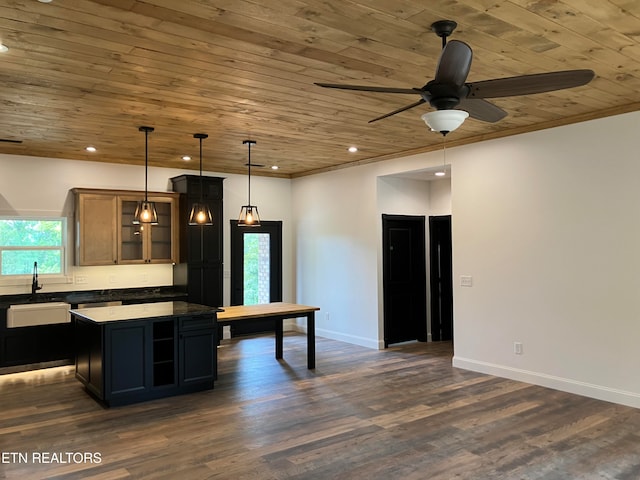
{"x":201,"y":197}
{"x":249,"y":182}
{"x":146,"y":131}
{"x":146,"y":162}
{"x":444,"y":152}
{"x":249,"y":143}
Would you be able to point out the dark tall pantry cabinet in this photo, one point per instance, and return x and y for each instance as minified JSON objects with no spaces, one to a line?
{"x":200,"y":267}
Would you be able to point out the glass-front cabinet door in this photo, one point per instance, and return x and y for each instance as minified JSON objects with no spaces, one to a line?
{"x":131,"y":248}
{"x":161,"y":247}
{"x":145,"y":243}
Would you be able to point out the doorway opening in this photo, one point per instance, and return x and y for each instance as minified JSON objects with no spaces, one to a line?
{"x":441,"y":278}
{"x":404,"y":278}
{"x":256,"y":270}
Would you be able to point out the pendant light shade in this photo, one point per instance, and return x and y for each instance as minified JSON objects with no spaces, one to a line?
{"x":145,"y":211}
{"x":249,"y":216}
{"x":200,"y":211}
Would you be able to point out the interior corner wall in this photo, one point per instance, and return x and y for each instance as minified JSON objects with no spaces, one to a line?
{"x":547,"y":224}
{"x":440,"y":197}
{"x":338,"y":239}
{"x":400,"y":196}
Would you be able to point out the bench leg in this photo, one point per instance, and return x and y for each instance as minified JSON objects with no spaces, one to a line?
{"x":311,"y":340}
{"x":279,"y":335}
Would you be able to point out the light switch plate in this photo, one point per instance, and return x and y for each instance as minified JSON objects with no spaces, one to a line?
{"x":466,"y":281}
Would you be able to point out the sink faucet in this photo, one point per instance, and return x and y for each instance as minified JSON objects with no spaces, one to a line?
{"x":34,"y":283}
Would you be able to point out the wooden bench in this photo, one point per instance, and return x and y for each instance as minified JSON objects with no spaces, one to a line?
{"x":278,"y":312}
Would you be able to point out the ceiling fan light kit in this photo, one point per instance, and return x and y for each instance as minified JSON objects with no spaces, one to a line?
{"x":444,"y":121}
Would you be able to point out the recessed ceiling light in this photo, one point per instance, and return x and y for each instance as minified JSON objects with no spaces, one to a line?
{"x":3,"y":48}
{"x":274,"y":167}
{"x":186,"y":158}
{"x":45,"y":1}
{"x":353,"y":149}
{"x":440,"y":174}
{"x":90,"y":149}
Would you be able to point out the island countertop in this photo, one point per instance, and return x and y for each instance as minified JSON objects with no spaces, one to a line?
{"x":119,"y":313}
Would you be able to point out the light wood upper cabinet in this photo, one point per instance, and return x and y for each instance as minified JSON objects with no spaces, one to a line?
{"x":106,"y":235}
{"x":96,"y":229}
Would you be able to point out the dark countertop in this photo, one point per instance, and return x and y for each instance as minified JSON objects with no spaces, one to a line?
{"x":143,"y":310}
{"x":125,"y":295}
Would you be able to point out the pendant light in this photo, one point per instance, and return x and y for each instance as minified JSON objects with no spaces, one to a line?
{"x":249,"y":216}
{"x":200,"y":212}
{"x":146,"y":210}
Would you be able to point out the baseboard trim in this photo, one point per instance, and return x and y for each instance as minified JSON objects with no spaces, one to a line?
{"x":585,"y":389}
{"x":361,"y":341}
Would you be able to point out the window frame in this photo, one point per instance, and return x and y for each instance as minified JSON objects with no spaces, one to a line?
{"x":63,"y":248}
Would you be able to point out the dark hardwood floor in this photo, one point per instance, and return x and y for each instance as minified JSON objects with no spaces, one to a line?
{"x":402,"y":413}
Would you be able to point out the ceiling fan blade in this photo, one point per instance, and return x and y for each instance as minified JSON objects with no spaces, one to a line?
{"x":481,"y":109}
{"x":529,"y":84}
{"x":454,"y":63}
{"x":366,"y":88}
{"x":419,"y":102}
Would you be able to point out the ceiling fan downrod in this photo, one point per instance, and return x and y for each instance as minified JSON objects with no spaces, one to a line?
{"x":443,"y":28}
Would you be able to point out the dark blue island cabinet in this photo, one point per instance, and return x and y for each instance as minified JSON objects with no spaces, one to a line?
{"x":133,"y":353}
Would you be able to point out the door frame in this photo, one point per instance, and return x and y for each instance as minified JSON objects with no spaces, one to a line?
{"x":274,"y":229}
{"x":440,"y":279}
{"x":419,"y":221}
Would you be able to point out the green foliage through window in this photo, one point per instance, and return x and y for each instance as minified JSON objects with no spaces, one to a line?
{"x":256,"y":268}
{"x":25,"y":241}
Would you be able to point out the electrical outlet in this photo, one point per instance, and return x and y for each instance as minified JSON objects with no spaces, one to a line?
{"x":112,"y":279}
{"x":517,"y":348}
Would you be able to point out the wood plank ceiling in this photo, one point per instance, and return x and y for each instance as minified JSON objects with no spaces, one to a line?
{"x":82,"y":72}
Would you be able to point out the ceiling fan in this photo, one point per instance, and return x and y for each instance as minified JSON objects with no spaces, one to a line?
{"x":450,"y":90}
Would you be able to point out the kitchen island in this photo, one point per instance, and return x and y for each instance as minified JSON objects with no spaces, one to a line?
{"x":133,"y":353}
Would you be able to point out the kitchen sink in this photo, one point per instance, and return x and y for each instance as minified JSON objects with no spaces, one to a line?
{"x":31,"y":314}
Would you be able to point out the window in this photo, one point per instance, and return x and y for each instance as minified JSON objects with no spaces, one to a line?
{"x":257,"y":277}
{"x":24,"y":241}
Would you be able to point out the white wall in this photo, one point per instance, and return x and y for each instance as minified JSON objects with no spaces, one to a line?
{"x":548,"y":226}
{"x":34,"y":186}
{"x":546,"y":223}
{"x":338,"y":236}
{"x":440,"y":197}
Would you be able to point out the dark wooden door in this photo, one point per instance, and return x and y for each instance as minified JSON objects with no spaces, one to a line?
{"x":404,"y":278}
{"x":256,"y":270}
{"x":198,"y":356}
{"x":201,"y":253}
{"x":204,"y":285}
{"x":128,"y":356}
{"x":441,"y":278}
